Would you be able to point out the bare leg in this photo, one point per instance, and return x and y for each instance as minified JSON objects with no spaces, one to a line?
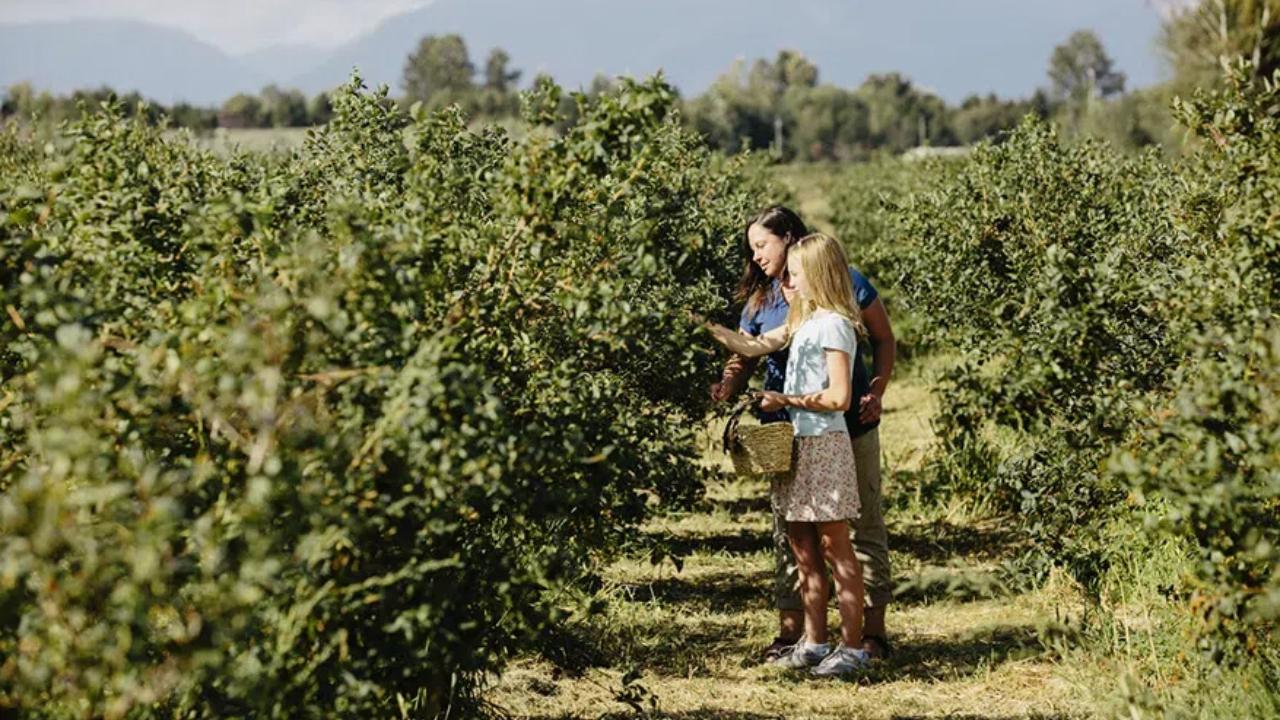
{"x":847,"y":571}
{"x":813,"y":579}
{"x":791,"y":623}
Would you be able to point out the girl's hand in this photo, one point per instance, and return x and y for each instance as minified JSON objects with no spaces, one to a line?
{"x":772,"y":401}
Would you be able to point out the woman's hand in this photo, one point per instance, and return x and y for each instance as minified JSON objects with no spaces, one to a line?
{"x":869,"y":408}
{"x":771,"y":401}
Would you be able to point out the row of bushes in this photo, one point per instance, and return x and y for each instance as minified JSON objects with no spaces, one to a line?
{"x":1112,"y":321}
{"x":327,"y":434}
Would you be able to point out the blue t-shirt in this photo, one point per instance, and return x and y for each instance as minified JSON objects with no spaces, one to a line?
{"x":773,"y":313}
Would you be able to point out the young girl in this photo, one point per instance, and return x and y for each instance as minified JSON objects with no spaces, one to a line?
{"x":820,"y":494}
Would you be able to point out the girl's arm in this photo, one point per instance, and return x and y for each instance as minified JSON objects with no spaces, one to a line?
{"x":835,"y":398}
{"x":746,"y":345}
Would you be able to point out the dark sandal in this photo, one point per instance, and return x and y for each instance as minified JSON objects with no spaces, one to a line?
{"x":882,"y":648}
{"x":781,"y":646}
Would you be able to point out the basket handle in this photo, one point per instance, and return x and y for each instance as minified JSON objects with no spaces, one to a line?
{"x":730,"y":438}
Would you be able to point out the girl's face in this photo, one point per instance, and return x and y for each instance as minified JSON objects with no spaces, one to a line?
{"x":794,"y":282}
{"x":768,"y":251}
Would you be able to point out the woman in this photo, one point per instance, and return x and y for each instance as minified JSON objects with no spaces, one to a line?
{"x":768,"y":236}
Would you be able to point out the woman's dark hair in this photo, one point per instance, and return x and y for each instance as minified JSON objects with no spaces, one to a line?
{"x":755,"y":286}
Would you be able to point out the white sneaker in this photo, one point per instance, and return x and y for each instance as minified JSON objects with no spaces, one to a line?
{"x":841,"y":662}
{"x":804,"y":654}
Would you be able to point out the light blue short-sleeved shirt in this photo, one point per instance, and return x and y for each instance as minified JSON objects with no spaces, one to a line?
{"x":774,"y":313}
{"x":807,"y":368}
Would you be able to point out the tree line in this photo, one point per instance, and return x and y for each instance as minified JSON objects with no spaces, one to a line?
{"x":1112,"y":375}
{"x":781,"y":106}
{"x":272,"y":107}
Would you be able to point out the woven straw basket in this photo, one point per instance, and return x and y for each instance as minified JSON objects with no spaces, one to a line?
{"x":757,"y":449}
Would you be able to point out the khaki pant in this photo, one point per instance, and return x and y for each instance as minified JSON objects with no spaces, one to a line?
{"x":870,"y":538}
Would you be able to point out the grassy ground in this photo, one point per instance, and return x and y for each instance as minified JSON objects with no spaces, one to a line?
{"x":688,"y":637}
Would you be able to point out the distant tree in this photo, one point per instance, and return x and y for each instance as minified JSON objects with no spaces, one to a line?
{"x":23,"y":100}
{"x":191,"y":116}
{"x":790,"y":69}
{"x":320,"y":109}
{"x":601,"y":84}
{"x":1080,"y":69}
{"x":439,"y":69}
{"x":1041,"y":104}
{"x":732,"y":115}
{"x":498,"y":77}
{"x":283,"y":108}
{"x":1198,"y":37}
{"x":775,"y":88}
{"x":131,"y":103}
{"x":980,"y":118}
{"x":829,"y":123}
{"x":901,"y":116}
{"x":241,"y":111}
{"x":19,"y":100}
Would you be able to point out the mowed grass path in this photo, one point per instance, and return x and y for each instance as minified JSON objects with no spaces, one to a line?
{"x":687,"y":638}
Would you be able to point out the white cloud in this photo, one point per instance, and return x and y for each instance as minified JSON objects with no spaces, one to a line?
{"x":233,"y":25}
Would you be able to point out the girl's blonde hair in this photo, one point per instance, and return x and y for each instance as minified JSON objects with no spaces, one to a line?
{"x":826,"y":273}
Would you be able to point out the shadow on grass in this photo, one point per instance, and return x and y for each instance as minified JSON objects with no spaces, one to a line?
{"x":741,"y":506}
{"x":1032,"y":716}
{"x":666,"y":650}
{"x":948,"y":658}
{"x":933,"y":584}
{"x":660,"y":645}
{"x":702,"y":714}
{"x":717,"y":714}
{"x":729,"y":593}
{"x":672,"y":626}
{"x":940,"y":540}
{"x":743,"y":542}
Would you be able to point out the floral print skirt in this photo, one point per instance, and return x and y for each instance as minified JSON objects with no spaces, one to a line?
{"x":822,"y":485}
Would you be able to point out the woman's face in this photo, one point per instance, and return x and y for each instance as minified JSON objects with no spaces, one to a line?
{"x":768,"y":251}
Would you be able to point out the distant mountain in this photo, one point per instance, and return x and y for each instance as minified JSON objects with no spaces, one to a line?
{"x":573,"y":40}
{"x":955,"y":48}
{"x":163,"y":64}
{"x":282,"y":63}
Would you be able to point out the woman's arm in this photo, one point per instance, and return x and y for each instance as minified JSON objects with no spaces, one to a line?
{"x":884,"y":351}
{"x":837,"y":396}
{"x":734,"y":377}
{"x":751,"y":347}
